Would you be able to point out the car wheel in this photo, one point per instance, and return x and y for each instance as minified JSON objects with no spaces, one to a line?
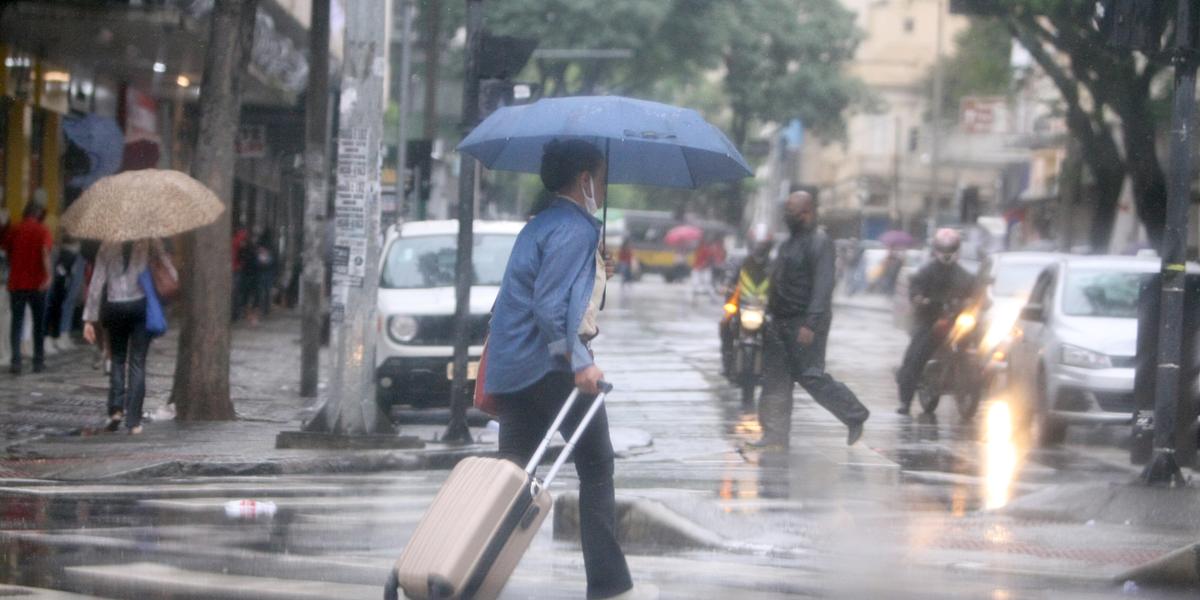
{"x":1045,"y":429}
{"x":968,"y":405}
{"x":929,"y":397}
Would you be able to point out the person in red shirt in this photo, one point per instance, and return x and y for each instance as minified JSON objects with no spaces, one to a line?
{"x":28,"y":247}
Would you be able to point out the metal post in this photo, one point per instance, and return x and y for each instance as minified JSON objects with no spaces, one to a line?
{"x":935,"y":150}
{"x":316,"y":192}
{"x":351,"y":407}
{"x":457,"y":430}
{"x":1164,"y":467}
{"x":408,"y":9}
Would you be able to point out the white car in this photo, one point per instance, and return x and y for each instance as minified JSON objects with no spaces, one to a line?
{"x":415,"y":348}
{"x":1073,"y":354}
{"x":1009,"y":277}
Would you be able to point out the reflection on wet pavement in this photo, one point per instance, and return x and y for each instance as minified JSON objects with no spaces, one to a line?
{"x":909,"y":512}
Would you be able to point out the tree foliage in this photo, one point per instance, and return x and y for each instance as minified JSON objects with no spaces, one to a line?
{"x":778,"y":59}
{"x":1097,"y":82}
{"x":980,"y":65}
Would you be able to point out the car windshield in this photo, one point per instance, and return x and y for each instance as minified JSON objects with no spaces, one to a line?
{"x":1102,"y":294}
{"x":1015,"y":280}
{"x":428,"y":261}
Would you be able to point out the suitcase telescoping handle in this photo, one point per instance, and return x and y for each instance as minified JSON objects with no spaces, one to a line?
{"x":530,"y":468}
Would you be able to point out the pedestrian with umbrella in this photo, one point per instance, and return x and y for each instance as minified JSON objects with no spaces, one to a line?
{"x":129,"y":213}
{"x":545,"y":315}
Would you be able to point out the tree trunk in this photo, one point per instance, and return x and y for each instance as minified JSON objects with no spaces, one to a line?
{"x":316,"y":199}
{"x":1147,"y":176}
{"x":1104,"y":209}
{"x":201,"y":392}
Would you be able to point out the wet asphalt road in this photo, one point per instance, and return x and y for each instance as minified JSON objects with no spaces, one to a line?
{"x":898,"y":516}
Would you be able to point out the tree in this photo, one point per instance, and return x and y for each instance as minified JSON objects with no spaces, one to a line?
{"x":980,"y":65}
{"x":1097,"y":82}
{"x":780,"y":59}
{"x":201,"y":389}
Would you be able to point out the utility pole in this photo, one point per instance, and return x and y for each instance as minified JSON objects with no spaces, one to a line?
{"x":350,"y":415}
{"x":457,"y":430}
{"x":432,"y":41}
{"x":408,"y":8}
{"x":935,"y":153}
{"x":316,"y":193}
{"x":1164,"y":465}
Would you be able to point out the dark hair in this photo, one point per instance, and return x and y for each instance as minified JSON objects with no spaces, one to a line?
{"x":33,"y":209}
{"x":564,"y":160}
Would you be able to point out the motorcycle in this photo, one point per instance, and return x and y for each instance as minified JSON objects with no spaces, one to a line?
{"x":746,"y":319}
{"x":957,"y":367}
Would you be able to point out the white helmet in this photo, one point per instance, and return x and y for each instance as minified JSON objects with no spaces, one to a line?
{"x":946,"y":245}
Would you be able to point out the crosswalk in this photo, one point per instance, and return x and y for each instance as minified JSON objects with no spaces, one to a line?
{"x":331,"y":537}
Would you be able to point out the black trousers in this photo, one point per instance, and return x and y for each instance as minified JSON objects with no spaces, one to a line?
{"x":786,"y":363}
{"x":125,"y":323}
{"x":36,"y":301}
{"x":924,"y":343}
{"x":525,"y":416}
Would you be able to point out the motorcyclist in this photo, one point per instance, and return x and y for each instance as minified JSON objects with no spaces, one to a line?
{"x":748,"y":284}
{"x":940,"y":283}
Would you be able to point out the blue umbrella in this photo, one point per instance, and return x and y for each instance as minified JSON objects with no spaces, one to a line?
{"x":646,"y":143}
{"x":103,"y":142}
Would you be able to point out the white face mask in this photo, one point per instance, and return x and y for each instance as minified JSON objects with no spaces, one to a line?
{"x":589,"y":195}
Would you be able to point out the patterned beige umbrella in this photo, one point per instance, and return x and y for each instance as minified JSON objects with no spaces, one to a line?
{"x":151,"y":203}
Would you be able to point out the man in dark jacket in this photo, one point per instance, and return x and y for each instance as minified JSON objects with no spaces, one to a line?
{"x":800,"y":307}
{"x":940,"y":286}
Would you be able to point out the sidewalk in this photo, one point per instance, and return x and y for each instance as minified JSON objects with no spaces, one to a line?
{"x":52,"y":421}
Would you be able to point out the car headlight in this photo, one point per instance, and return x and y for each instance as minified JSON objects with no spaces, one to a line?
{"x":752,"y":319}
{"x":1074,"y":356}
{"x":402,"y":329}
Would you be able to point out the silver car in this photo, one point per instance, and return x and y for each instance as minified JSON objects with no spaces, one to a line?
{"x":1072,"y":357}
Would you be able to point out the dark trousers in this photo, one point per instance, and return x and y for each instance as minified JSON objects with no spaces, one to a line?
{"x":525,"y":416}
{"x":125,"y":323}
{"x":36,"y":301}
{"x":925,"y":342}
{"x":786,"y":363}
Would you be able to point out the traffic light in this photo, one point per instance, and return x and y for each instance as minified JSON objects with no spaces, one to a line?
{"x":501,"y":57}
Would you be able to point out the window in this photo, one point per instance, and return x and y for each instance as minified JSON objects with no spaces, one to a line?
{"x":428,"y":261}
{"x":1103,"y":294}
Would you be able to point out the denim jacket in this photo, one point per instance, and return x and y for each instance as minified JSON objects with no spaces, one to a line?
{"x":542,"y":300}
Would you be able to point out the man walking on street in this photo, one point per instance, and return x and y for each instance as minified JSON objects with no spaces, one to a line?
{"x":800,"y":310}
{"x":28,"y":247}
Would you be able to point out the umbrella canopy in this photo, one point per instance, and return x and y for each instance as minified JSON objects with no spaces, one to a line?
{"x":646,"y":143}
{"x":895,"y":238}
{"x":133,"y":205}
{"x":103,"y":142}
{"x":683,"y":235}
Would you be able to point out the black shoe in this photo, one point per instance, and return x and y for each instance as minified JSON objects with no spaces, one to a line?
{"x":903,"y":410}
{"x":15,"y":369}
{"x":856,"y":431}
{"x":39,"y":367}
{"x":114,"y":421}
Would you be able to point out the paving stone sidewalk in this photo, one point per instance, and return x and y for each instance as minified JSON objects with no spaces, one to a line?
{"x":51,"y":422}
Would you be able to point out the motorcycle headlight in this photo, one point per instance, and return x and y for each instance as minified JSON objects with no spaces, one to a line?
{"x":752,"y":319}
{"x":965,"y":322}
{"x":1074,"y":356}
{"x":402,"y":329}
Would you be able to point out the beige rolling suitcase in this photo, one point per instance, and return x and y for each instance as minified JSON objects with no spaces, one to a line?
{"x":481,"y":522}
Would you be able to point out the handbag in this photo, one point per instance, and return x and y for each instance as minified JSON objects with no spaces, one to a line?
{"x":484,"y":401}
{"x":165,"y":284}
{"x":156,"y":320}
